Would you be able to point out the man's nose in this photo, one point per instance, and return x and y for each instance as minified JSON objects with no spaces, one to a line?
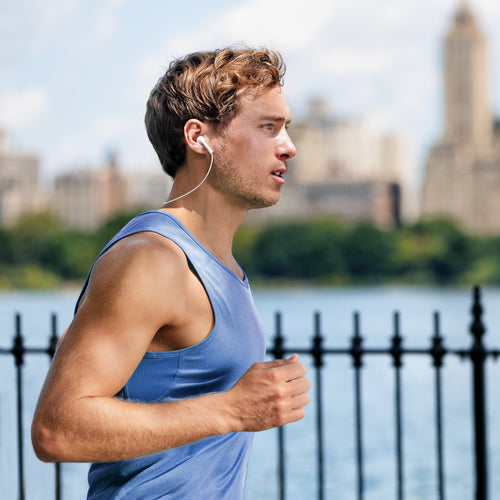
{"x":287,"y":148}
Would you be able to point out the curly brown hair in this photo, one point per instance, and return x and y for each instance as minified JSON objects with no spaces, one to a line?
{"x":204,"y":86}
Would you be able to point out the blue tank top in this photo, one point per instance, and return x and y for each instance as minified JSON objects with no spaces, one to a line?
{"x":213,"y":468}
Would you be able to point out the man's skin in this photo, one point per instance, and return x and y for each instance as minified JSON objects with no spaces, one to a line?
{"x":142,"y":296}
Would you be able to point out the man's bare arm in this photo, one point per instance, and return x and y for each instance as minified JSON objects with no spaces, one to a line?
{"x":79,"y":419}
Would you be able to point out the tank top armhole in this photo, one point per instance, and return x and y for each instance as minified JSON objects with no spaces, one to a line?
{"x":192,"y":268}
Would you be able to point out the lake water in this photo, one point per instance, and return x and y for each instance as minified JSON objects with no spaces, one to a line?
{"x":298,"y":305}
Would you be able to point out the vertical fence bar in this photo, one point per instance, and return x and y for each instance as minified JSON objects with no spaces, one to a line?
{"x":317,"y":353}
{"x":438,"y":351}
{"x":51,"y":351}
{"x":396,"y":352}
{"x":356,"y":352}
{"x":54,"y":338}
{"x":278,"y":352}
{"x":478,"y":357}
{"x":18,"y":352}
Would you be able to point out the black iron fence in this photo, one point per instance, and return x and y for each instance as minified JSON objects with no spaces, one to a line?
{"x":477,"y":354}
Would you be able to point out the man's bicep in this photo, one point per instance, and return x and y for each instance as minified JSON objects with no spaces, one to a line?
{"x":121,"y":312}
{"x":97,"y":354}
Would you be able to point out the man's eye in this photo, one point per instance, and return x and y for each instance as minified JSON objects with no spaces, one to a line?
{"x":270,"y":127}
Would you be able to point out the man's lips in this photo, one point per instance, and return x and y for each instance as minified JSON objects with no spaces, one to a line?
{"x":279,"y":172}
{"x":278,"y":175}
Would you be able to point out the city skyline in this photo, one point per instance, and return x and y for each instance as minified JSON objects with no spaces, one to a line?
{"x":76,"y":75}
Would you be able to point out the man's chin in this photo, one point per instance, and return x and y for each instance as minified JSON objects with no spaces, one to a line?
{"x":264,"y":203}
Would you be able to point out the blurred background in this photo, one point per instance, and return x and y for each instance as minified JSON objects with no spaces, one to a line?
{"x":392,"y":203}
{"x":393,"y":118}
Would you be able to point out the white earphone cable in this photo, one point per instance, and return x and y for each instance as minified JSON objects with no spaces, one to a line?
{"x":195,"y":188}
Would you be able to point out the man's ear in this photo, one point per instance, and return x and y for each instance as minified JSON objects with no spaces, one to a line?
{"x":193,"y":129}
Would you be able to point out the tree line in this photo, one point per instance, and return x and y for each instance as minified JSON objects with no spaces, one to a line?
{"x":38,"y":252}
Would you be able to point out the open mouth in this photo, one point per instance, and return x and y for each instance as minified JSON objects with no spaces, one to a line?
{"x":277,"y":173}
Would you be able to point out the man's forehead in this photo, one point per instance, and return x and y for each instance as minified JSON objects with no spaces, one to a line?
{"x":269,"y":102}
{"x":254,"y":93}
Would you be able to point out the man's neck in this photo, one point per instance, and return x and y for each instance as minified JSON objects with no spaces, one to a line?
{"x":213,"y":225}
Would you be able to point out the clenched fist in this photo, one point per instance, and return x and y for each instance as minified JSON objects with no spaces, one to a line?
{"x":270,"y":394}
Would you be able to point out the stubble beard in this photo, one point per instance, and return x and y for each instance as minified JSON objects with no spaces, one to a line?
{"x":237,"y":187}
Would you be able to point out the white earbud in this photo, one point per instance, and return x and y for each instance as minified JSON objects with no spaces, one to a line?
{"x":203,"y":142}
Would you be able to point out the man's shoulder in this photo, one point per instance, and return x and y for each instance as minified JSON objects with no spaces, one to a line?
{"x":144,"y":242}
{"x":145,"y":254}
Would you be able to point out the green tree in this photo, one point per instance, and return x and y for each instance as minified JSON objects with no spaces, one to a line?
{"x":300,"y":250}
{"x":369,"y":253}
{"x":31,"y":238}
{"x":7,"y":251}
{"x":71,"y":254}
{"x":437,"y":248}
{"x":38,"y":252}
{"x":244,"y":248}
{"x":485,"y":268}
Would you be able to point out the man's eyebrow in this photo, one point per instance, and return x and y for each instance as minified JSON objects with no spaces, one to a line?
{"x":276,"y":118}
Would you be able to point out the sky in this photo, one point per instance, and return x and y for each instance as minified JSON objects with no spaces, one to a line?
{"x":75,"y":74}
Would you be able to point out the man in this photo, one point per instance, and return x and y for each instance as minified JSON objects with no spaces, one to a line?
{"x":161,"y":370}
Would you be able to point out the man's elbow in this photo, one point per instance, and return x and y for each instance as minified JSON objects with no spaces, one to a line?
{"x":46,"y":442}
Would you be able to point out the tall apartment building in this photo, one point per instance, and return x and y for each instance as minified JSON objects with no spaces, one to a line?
{"x":350,"y":149}
{"x":84,"y":198}
{"x":148,"y":190}
{"x":20,"y":190}
{"x":346,"y":168}
{"x":462,"y":179}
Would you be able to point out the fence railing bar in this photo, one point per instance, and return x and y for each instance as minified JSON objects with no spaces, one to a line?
{"x":438,"y":352}
{"x":54,"y":336}
{"x":478,"y":357}
{"x":317,"y":352}
{"x":281,"y":464}
{"x":51,"y":349}
{"x":383,"y":351}
{"x":18,"y":351}
{"x":439,"y":434}
{"x":279,"y":352}
{"x":399,"y":435}
{"x":357,"y":351}
{"x":20,"y":348}
{"x":396,"y":352}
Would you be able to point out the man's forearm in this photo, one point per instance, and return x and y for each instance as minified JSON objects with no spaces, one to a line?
{"x":99,"y":429}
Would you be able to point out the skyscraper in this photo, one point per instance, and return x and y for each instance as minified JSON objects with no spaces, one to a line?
{"x":468,"y":118}
{"x":462,"y":179}
{"x":20,"y":189}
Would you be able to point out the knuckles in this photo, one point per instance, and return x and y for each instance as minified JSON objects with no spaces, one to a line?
{"x":280,"y":420}
{"x":273,"y":376}
{"x":278,"y":393}
{"x":275,"y":393}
